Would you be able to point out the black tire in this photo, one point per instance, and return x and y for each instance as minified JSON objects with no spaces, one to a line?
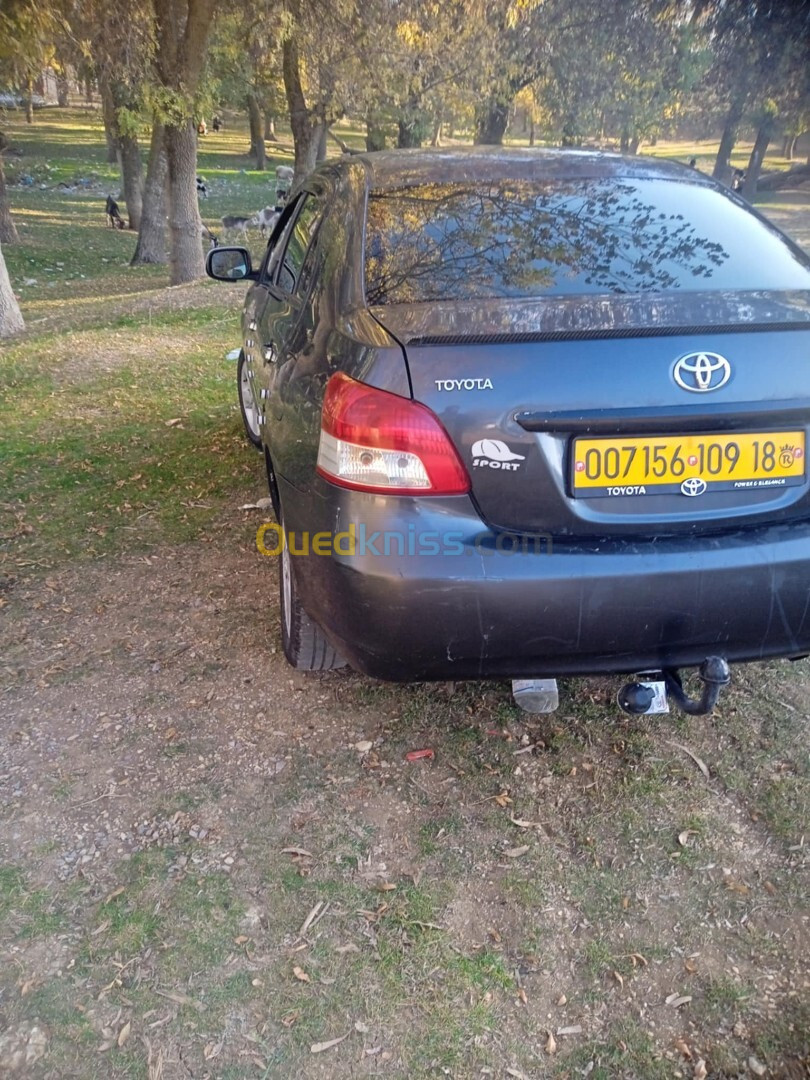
{"x":305,"y":644}
{"x":247,"y":405}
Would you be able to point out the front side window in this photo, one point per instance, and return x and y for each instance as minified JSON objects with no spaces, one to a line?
{"x":298,"y":241}
{"x":512,"y":238}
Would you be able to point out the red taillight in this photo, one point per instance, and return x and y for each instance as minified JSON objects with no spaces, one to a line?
{"x":375,"y":441}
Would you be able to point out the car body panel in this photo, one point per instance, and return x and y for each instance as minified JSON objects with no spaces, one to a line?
{"x":532,"y":580}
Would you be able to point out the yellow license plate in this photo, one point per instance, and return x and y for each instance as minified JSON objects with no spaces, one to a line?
{"x":687,"y":464}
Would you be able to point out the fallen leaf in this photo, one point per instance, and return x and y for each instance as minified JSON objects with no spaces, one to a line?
{"x":677,"y":1000}
{"x":516,"y":852}
{"x":737,"y":887}
{"x":318,"y":1048}
{"x":241,"y":939}
{"x":551,"y":1044}
{"x":522,"y":995}
{"x":300,"y":974}
{"x":698,"y":761}
{"x":575,"y":1029}
{"x":683,"y":837}
{"x":364,"y":746}
{"x":636,"y":958}
{"x":684,"y":1049}
{"x":419,"y":755}
{"x":690,"y":965}
{"x":290,"y":1019}
{"x":174,"y":422}
{"x":562,"y":1000}
{"x":618,"y":979}
{"x":523,"y":824}
{"x":756,"y":1067}
{"x":300,"y":852}
{"x":182,"y":999}
{"x":517,"y":1074}
{"x":502,"y":800}
{"x":351,"y":947}
{"x":257,"y":982}
{"x":212,"y":1050}
{"x":123,"y":1034}
{"x":385,"y":886}
{"x":700,"y":1070}
{"x":116,"y":892}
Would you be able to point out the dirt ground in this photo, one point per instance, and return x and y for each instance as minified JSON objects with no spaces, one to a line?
{"x":215,"y":867}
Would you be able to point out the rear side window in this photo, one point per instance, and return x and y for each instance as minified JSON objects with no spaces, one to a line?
{"x":468,"y":241}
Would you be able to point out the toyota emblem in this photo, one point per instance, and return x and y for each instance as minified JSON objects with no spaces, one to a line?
{"x":700,"y":372}
{"x":693,"y":486}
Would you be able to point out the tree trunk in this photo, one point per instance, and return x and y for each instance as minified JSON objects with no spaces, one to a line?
{"x":256,"y":131}
{"x":29,"y":102}
{"x":62,"y":90}
{"x":635,"y":143}
{"x":110,"y":125}
{"x":181,"y":30}
{"x":11,"y":321}
{"x":187,"y":262}
{"x":270,"y":128}
{"x":375,"y":134}
{"x":763,"y":138}
{"x":791,"y":148}
{"x":491,"y":120}
{"x":129,"y":159}
{"x":322,"y":147}
{"x":728,"y":139}
{"x":531,"y":131}
{"x":436,"y":139}
{"x":8,"y":230}
{"x":151,"y":246}
{"x":305,"y":123}
{"x":88,"y":91}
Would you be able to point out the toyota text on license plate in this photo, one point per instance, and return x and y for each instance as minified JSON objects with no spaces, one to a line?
{"x":687,"y":464}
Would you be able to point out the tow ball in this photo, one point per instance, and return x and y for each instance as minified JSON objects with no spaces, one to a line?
{"x":649,"y":695}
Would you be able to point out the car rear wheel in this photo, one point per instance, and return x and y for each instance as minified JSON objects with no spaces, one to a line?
{"x":247,"y":403}
{"x":303,"y":641}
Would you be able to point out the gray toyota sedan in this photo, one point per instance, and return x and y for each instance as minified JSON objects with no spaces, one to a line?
{"x":528,"y":414}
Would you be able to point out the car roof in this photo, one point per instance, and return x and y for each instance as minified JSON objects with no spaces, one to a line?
{"x":387,"y":169}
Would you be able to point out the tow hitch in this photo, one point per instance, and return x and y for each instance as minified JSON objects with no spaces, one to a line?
{"x":650,"y":693}
{"x":714,"y":674}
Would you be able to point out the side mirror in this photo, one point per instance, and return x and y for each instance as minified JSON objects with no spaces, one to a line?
{"x":229,"y":264}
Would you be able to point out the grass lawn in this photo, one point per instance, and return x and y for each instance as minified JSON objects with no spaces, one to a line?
{"x":212,"y":866}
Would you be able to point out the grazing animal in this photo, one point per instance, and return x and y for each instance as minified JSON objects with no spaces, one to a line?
{"x":239,"y":223}
{"x":114,"y":219}
{"x":284,"y":179}
{"x":267,"y":218}
{"x":216,"y":123}
{"x":202,"y":188}
{"x":208,"y":235}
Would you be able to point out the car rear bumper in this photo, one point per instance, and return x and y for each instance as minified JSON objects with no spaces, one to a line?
{"x":550,"y":608}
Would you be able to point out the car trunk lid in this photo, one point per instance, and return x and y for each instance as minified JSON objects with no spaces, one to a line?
{"x":517,"y":382}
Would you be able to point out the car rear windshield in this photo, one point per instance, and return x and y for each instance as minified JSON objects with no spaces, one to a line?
{"x":467,"y":241}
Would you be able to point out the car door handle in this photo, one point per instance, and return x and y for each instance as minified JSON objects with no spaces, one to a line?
{"x":270,"y":353}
